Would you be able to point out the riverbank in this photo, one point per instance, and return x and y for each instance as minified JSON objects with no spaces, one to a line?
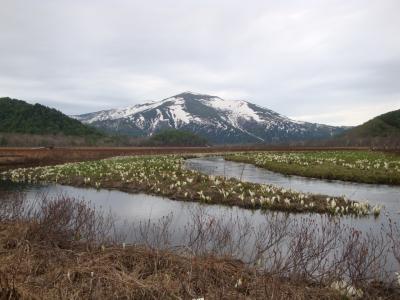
{"x":353,"y":166}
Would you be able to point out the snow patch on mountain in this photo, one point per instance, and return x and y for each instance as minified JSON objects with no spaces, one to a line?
{"x":235,"y":108}
{"x":120,"y":113}
{"x":179,"y":114}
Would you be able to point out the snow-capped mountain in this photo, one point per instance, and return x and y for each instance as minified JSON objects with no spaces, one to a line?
{"x":218,"y":120}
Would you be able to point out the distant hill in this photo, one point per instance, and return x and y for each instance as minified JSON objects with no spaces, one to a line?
{"x":382,"y":131}
{"x":17,"y":116}
{"x":385,"y":125}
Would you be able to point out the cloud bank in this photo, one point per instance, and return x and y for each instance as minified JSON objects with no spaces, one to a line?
{"x":334,"y":62}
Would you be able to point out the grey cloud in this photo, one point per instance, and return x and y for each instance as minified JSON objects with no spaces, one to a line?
{"x":301,"y":58}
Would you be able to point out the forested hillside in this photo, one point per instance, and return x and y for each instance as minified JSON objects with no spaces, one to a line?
{"x":17,"y":116}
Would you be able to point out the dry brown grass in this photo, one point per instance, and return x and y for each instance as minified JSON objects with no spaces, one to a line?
{"x":31,"y":270}
{"x":19,"y":156}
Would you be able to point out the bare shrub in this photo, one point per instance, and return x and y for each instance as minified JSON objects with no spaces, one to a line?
{"x":12,"y":206}
{"x":64,"y":220}
{"x":303,"y":250}
{"x":364,"y":256}
{"x":60,"y":220}
{"x":393,"y":234}
{"x":155,"y":235}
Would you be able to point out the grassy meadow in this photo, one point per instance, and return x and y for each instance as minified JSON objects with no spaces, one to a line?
{"x":356,"y":166}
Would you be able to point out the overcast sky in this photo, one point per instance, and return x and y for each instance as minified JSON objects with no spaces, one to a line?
{"x":334,"y":62}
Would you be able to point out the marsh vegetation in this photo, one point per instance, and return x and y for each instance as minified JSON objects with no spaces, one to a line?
{"x":165,"y":176}
{"x":62,"y":246}
{"x":356,"y":166}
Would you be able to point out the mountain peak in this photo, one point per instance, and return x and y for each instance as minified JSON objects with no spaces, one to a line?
{"x":188,"y":95}
{"x":219,"y":120}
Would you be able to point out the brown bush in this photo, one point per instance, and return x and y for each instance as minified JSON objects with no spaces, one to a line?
{"x":64,"y":221}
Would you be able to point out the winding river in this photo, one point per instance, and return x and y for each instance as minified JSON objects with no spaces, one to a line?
{"x":142,"y":209}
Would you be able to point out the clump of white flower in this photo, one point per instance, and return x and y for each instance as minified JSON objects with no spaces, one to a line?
{"x":238,"y":283}
{"x":376,"y":210}
{"x":347,"y":290}
{"x":398,"y":277}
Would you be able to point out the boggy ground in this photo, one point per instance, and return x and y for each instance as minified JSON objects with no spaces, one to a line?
{"x":32,"y":268}
{"x":166,"y":176}
{"x":356,"y":166}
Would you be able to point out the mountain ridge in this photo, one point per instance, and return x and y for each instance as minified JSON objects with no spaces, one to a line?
{"x":219,"y":120}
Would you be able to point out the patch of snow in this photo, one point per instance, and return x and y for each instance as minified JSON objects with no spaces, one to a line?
{"x":297,"y":122}
{"x":140,"y":121}
{"x":235,"y":108}
{"x":126,"y":112}
{"x":178,"y":112}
